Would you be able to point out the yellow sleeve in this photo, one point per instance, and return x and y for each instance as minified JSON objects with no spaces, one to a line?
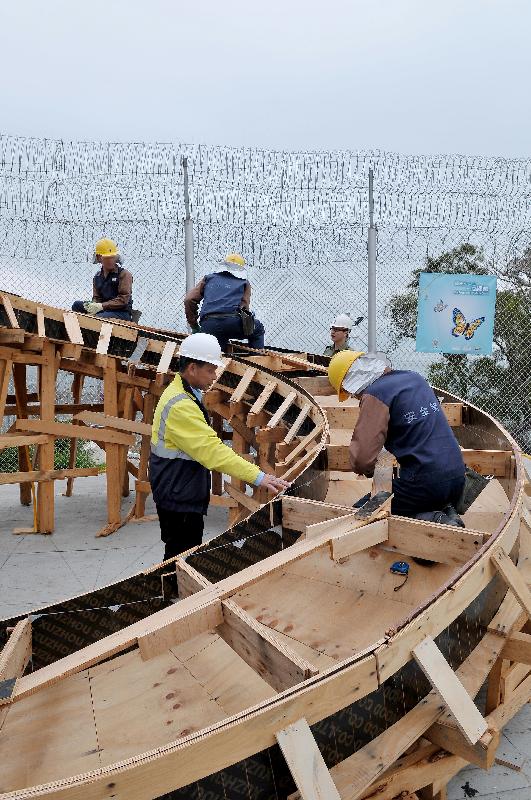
{"x":187,"y":430}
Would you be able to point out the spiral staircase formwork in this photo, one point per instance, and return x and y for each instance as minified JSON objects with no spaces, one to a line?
{"x":300,"y":668}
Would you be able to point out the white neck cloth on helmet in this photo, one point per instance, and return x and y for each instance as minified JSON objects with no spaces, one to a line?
{"x":363,"y":372}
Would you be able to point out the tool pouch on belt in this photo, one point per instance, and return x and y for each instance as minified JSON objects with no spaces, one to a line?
{"x":247,"y":318}
{"x":474,"y":485}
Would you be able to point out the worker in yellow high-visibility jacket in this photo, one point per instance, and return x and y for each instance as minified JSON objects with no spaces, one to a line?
{"x":184,"y":448}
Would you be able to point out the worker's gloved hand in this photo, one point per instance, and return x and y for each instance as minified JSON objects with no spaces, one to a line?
{"x":93,"y":308}
{"x":196,"y":328}
{"x":274,"y":484}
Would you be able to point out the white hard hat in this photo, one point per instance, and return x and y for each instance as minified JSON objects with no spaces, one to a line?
{"x":202,"y":347}
{"x":342,"y":321}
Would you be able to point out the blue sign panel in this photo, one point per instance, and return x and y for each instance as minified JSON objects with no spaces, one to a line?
{"x":456,"y":313}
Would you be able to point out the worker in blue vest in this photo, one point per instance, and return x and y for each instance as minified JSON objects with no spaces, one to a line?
{"x":184,"y":448}
{"x":225,"y":298}
{"x":112,"y":286}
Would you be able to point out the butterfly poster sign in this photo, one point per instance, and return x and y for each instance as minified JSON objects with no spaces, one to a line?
{"x":456,"y":313}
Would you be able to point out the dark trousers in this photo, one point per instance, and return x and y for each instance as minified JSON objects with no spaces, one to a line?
{"x":179,"y":530}
{"x":225,"y":328}
{"x":80,"y":308}
{"x":416,"y":495}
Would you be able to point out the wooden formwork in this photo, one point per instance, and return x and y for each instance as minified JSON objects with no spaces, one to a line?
{"x":276,"y":645}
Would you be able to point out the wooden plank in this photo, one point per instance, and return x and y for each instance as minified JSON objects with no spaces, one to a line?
{"x":73,"y":330}
{"x":12,"y":440}
{"x":293,"y":431}
{"x":38,"y":476}
{"x":299,"y":513}
{"x":113,"y":452}
{"x":296,"y":468}
{"x":77,"y":391}
{"x":45,"y":489}
{"x":303,"y":444}
{"x":518,"y":648}
{"x":243,"y":385}
{"x":339,"y":457}
{"x":8,"y":308}
{"x":202,"y":619}
{"x":12,"y":336}
{"x":270,"y":435}
{"x":513,"y":579}
{"x":273,"y":660}
{"x":189,"y":580}
{"x":453,"y":413}
{"x":279,"y":413}
{"x":450,"y":738}
{"x":305,"y":762}
{"x":263,"y":397}
{"x":117,"y":423}
{"x":489,"y":462}
{"x":442,"y":543}
{"x":41,"y":330}
{"x":359,"y":539}
{"x":166,"y":357}
{"x":104,"y":338}
{"x":349,"y":522}
{"x":17,"y":651}
{"x":67,"y":430}
{"x":245,"y":500}
{"x":441,"y":676}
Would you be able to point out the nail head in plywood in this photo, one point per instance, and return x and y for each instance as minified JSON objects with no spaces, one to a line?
{"x":73,"y":330}
{"x":166,"y":357}
{"x":306,"y":763}
{"x":449,"y":687}
{"x":104,"y":339}
{"x":10,"y":314}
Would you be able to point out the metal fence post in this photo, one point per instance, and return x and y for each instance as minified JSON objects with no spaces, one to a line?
{"x":188,"y":232}
{"x":371,"y":272}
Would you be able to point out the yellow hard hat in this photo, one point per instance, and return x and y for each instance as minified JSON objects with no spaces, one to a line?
{"x":106,"y":247}
{"x":338,"y":368}
{"x":235,"y":258}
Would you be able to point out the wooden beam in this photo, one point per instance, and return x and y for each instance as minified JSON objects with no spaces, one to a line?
{"x":73,"y":330}
{"x":305,"y":762}
{"x":279,"y":413}
{"x":166,"y":357}
{"x":200,"y":620}
{"x":293,"y":431}
{"x":12,"y":440}
{"x":357,"y":540}
{"x":263,"y":397}
{"x":449,"y":687}
{"x":489,"y":462}
{"x":67,"y":430}
{"x":104,"y":338}
{"x":348,"y":523}
{"x":189,"y":580}
{"x":339,"y":457}
{"x":518,"y":648}
{"x":10,"y":314}
{"x":303,"y":444}
{"x":13,"y":659}
{"x":41,"y":330}
{"x":442,"y":543}
{"x":245,"y":500}
{"x":270,"y":435}
{"x":450,"y":738}
{"x":298,"y":513}
{"x":243,"y":385}
{"x":453,"y":413}
{"x":117,"y":423}
{"x":513,"y":579}
{"x":39,"y":476}
{"x":272,"y":659}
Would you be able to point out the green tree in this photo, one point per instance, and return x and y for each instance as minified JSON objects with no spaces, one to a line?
{"x":500,"y":384}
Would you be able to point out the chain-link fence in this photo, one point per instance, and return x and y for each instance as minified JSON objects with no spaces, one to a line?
{"x":300,"y":220}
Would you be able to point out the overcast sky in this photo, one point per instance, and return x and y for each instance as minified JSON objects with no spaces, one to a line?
{"x":415,"y":76}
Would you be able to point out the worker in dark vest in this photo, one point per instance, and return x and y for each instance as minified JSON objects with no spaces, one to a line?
{"x":399,"y":411}
{"x":112,"y":286}
{"x":225,"y":297}
{"x":184,"y":448}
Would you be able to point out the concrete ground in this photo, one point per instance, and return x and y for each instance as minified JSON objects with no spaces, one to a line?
{"x":39,"y":570}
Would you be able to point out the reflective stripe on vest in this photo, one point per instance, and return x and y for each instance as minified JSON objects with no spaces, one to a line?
{"x":159,"y":449}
